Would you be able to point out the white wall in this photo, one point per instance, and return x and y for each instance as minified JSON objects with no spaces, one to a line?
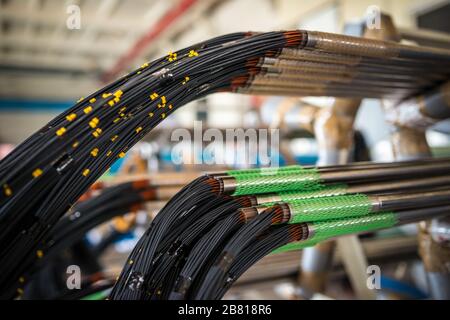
{"x":17,"y":126}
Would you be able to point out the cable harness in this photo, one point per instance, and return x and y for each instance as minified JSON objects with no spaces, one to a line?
{"x":44,"y":176}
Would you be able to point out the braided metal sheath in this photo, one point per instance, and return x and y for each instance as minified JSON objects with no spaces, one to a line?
{"x":321,"y":209}
{"x":301,"y":179}
{"x":321,"y":231}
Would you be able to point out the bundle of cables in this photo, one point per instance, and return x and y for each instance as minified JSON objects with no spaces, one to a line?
{"x":91,"y":211}
{"x":221,"y":224}
{"x":45,"y":175}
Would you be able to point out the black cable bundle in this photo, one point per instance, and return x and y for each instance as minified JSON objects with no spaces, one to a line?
{"x":203,"y":254}
{"x":44,"y":176}
{"x":73,"y":227}
{"x":50,"y":280}
{"x":47,"y":173}
{"x":131,"y":285}
{"x":69,"y":231}
{"x":273,"y":238}
{"x":217,"y":274}
{"x":183,"y":237}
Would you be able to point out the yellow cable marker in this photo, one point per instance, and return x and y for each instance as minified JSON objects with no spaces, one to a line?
{"x":154,"y":95}
{"x":94,"y":122}
{"x":61,"y":131}
{"x":97,"y":132}
{"x":121,"y":155}
{"x":192,"y":54}
{"x":92,"y":100}
{"x":86,"y":172}
{"x":94,"y":152}
{"x":88,"y":110}
{"x":7,"y":190}
{"x":138,"y":129}
{"x":186,"y":79}
{"x":37,"y":173}
{"x":71,"y":117}
{"x":39,"y":254}
{"x":163,"y":102}
{"x":172,"y":56}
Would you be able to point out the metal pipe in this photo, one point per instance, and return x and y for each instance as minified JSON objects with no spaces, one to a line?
{"x":421,"y":111}
{"x":409,"y":200}
{"x":385,"y":173}
{"x":410,"y":143}
{"x":399,"y":185}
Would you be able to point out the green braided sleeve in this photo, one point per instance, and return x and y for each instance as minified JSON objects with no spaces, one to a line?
{"x":291,"y":196}
{"x":336,"y":228}
{"x":326,"y":208}
{"x":265,"y":171}
{"x":326,"y":191}
{"x":304,"y":179}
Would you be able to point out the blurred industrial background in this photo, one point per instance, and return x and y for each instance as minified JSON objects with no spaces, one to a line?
{"x":45,"y":67}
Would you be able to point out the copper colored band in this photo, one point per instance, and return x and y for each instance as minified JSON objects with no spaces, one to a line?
{"x":261,"y":199}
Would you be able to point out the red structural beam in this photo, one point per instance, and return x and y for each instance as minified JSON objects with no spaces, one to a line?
{"x":155,"y":31}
